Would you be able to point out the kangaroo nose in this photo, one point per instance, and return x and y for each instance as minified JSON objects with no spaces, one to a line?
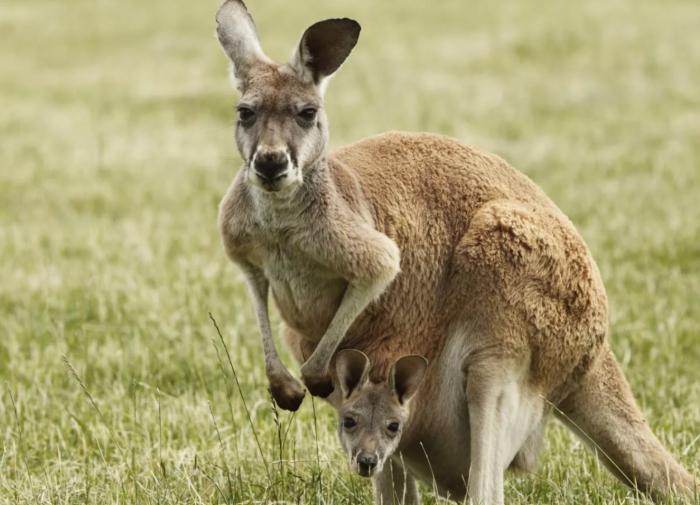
{"x":367,"y":463}
{"x":271,"y":165}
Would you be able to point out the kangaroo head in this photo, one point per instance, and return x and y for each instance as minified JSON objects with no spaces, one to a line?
{"x":282,"y":130}
{"x":372,"y":415}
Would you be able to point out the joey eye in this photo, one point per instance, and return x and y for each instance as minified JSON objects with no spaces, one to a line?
{"x":393,"y":427}
{"x":307,"y":115}
{"x":246,"y":115}
{"x":349,"y":423}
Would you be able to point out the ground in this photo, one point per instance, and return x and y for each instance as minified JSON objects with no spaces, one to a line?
{"x":116,"y":144}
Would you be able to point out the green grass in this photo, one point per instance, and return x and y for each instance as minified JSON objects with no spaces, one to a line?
{"x":116,"y":146}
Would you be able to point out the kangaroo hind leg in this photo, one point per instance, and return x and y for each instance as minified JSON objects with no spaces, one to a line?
{"x":526,"y":458}
{"x":503,"y":414}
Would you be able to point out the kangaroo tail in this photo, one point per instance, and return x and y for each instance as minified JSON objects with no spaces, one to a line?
{"x":602,"y":411}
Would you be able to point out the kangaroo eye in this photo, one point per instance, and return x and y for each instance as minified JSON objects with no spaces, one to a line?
{"x":349,"y":423}
{"x":246,"y":115}
{"x":307,"y":115}
{"x":393,"y":427}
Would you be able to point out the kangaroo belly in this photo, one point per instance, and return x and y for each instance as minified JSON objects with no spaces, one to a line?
{"x":307,"y":295}
{"x":438,"y":451}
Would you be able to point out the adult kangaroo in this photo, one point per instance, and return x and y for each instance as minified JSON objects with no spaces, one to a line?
{"x":410,"y":243}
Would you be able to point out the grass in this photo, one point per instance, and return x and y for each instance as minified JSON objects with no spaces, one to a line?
{"x":116,"y":146}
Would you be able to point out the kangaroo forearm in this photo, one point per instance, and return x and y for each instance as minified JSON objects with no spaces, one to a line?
{"x":258,"y":287}
{"x":355,"y":300}
{"x":369,"y":262}
{"x":355,"y":251}
{"x":286,"y":390}
{"x":272,"y":360}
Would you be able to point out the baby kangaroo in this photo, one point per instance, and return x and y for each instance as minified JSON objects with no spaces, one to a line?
{"x":415,"y":243}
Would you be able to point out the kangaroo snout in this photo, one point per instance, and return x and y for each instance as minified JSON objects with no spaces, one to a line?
{"x":271,"y":166}
{"x":366,"y":463}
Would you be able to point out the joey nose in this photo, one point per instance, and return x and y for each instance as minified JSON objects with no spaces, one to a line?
{"x":366,"y":463}
{"x":271,"y":165}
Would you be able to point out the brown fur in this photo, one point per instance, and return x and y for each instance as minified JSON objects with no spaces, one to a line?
{"x":412,"y":243}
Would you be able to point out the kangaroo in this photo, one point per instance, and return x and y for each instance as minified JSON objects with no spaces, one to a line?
{"x":413,"y":243}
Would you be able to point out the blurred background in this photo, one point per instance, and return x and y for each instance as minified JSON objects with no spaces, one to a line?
{"x":116,"y":145}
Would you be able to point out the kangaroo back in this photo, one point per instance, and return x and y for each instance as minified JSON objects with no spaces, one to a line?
{"x":603,"y":412}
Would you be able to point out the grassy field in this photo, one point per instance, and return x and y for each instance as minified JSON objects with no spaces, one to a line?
{"x":116,"y":145}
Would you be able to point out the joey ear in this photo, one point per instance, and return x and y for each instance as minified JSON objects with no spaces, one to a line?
{"x":351,"y":369}
{"x":238,"y":37}
{"x":324,"y":47}
{"x":406,"y":375}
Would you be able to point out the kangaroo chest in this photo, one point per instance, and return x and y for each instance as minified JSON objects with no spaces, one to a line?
{"x":306,"y":293}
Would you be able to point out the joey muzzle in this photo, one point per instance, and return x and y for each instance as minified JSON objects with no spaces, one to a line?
{"x":366,"y":463}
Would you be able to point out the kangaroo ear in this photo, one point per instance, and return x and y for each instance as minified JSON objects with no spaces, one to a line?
{"x":351,"y":369}
{"x":406,"y":375}
{"x":237,"y":35}
{"x":324,"y":47}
